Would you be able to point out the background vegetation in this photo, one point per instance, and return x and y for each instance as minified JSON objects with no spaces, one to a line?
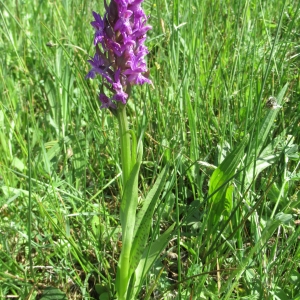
{"x":214,"y":65}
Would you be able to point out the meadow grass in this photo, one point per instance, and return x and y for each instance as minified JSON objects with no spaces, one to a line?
{"x":233,"y":188}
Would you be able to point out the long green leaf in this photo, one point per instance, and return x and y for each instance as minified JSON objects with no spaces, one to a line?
{"x":127,"y":216}
{"x":144,"y":219}
{"x":152,"y":195}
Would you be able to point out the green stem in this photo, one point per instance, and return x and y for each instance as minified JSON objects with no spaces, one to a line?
{"x":125,"y":143}
{"x":126,"y":161}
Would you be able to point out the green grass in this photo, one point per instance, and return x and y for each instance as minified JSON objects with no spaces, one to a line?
{"x":213,"y":64}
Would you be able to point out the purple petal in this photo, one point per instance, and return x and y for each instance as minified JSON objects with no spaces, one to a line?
{"x":106,"y":102}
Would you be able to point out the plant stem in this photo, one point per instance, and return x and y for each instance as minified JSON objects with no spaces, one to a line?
{"x":125,"y":143}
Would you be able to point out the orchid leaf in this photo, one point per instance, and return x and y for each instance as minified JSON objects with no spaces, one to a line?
{"x":144,"y":219}
{"x":129,"y":203}
{"x":127,"y":216}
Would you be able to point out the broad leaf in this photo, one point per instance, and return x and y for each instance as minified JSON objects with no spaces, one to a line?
{"x":51,"y":293}
{"x":265,"y":159}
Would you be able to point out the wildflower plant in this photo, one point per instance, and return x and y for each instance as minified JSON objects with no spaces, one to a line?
{"x":120,"y":60}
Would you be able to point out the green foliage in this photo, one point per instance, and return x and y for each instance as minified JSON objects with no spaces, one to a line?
{"x":144,"y":219}
{"x":52,"y":293}
{"x":128,"y":221}
{"x":214,"y":64}
{"x":220,"y":199}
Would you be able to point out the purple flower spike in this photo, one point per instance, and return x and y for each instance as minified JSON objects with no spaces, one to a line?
{"x":121,"y":62}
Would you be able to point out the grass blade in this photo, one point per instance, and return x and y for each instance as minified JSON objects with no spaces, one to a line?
{"x":219,"y":182}
{"x":150,"y":255}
